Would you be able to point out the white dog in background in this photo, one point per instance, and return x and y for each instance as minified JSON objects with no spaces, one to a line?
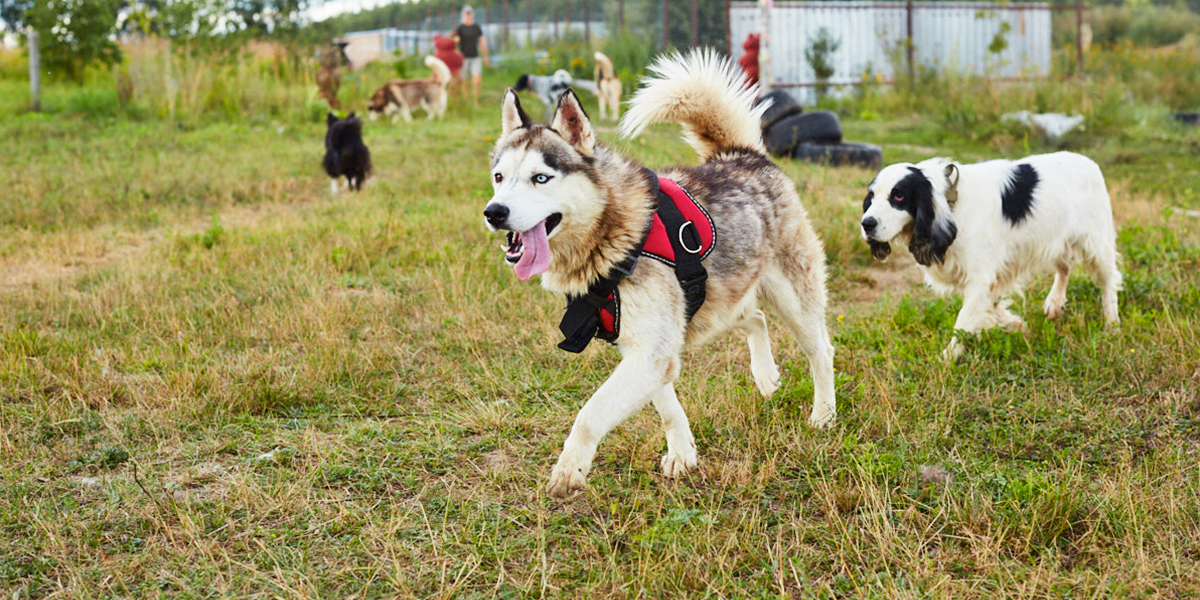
{"x":985,"y":229}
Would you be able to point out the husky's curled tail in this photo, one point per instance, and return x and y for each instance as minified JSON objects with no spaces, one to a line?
{"x":703,"y":92}
{"x":441,"y":72}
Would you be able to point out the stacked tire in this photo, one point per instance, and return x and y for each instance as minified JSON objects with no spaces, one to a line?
{"x":814,"y":137}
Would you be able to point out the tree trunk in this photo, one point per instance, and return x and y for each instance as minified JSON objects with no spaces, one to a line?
{"x":35,"y":72}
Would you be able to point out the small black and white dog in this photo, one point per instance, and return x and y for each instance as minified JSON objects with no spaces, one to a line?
{"x":985,"y":229}
{"x":345,"y":153}
{"x":549,"y":88}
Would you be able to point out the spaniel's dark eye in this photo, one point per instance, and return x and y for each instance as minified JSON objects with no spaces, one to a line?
{"x":541,"y":178}
{"x":498,"y":178}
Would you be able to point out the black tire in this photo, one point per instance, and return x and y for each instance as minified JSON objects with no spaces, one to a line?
{"x":821,"y":127}
{"x":783,"y":105}
{"x":868,"y":156}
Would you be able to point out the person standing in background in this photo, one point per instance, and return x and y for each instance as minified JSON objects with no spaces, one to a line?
{"x":473,"y":46}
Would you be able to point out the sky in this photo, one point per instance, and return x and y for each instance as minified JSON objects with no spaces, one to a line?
{"x":319,"y":11}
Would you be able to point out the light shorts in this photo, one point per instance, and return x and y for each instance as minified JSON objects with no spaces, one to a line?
{"x":472,"y":66}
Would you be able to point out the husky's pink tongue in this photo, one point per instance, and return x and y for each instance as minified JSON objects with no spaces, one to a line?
{"x":535,"y":256}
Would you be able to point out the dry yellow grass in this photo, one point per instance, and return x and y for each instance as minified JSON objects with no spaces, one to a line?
{"x":217,"y":381}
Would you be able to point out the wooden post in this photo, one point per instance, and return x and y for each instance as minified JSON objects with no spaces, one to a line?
{"x":528,"y":24}
{"x":695,"y":25}
{"x":504,"y":29}
{"x":587,"y":25}
{"x":554,"y":17}
{"x":621,"y":14}
{"x":666,"y":27}
{"x":728,"y":30}
{"x":764,"y":46}
{"x":908,"y":42}
{"x":1079,"y":37}
{"x":35,"y":71}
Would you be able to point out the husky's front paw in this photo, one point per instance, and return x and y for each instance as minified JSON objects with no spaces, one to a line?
{"x":766,"y":379}
{"x":567,"y":478}
{"x":676,"y":463}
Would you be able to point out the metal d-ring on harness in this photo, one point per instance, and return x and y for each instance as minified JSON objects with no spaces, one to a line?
{"x":597,"y":313}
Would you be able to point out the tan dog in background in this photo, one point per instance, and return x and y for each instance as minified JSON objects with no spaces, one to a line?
{"x":402,"y":96}
{"x":608,"y":87}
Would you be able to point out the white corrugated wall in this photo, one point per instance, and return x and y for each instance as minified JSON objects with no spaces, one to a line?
{"x":871,"y":34}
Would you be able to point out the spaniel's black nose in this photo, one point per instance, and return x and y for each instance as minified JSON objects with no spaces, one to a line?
{"x":496,"y":214}
{"x":868,"y":224}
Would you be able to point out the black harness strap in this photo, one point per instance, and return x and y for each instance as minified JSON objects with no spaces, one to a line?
{"x":685,"y":240}
{"x":582,"y":320}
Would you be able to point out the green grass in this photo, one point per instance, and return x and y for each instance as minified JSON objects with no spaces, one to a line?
{"x":217,"y":381}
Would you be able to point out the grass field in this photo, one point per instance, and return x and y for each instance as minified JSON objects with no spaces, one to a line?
{"x":218,"y":381}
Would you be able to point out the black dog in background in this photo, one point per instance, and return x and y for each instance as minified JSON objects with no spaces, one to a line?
{"x":345,"y":152}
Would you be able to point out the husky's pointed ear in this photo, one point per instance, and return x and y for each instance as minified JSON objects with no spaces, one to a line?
{"x":512,"y":116}
{"x":933,"y":228}
{"x":571,"y":122}
{"x":330,"y":118}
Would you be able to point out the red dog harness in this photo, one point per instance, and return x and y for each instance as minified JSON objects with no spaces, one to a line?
{"x":681,"y":235}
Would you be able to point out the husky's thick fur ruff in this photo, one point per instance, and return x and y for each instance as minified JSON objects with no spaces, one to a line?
{"x":608,"y":87}
{"x":984,"y":230}
{"x":400,"y":97}
{"x":575,"y":210}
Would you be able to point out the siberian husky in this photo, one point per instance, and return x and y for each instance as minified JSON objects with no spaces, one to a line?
{"x":576,"y":212}
{"x":402,"y":96}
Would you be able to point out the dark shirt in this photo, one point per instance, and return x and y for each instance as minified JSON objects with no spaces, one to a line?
{"x":468,"y":39}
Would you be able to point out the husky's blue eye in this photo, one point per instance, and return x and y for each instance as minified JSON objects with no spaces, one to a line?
{"x":541,"y":178}
{"x":499,"y":178}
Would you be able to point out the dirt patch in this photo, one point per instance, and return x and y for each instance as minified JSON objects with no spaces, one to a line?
{"x":861,"y":289}
{"x":51,"y":258}
{"x":497,"y":462}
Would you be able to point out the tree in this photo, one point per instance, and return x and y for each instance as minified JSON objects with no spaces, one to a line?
{"x":12,"y":15}
{"x":818,"y":54}
{"x":75,"y":33}
{"x":261,"y":17}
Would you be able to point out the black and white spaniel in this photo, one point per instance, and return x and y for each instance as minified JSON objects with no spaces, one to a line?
{"x":985,"y":229}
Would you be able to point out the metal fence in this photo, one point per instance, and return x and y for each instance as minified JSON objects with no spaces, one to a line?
{"x":878,"y":39}
{"x":514,"y":24}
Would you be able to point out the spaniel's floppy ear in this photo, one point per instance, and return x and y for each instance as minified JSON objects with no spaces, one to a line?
{"x":512,"y":116}
{"x":571,"y":122}
{"x":932,"y":231}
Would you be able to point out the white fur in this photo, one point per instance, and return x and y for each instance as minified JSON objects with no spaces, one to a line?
{"x":692,"y":87}
{"x":991,"y":259}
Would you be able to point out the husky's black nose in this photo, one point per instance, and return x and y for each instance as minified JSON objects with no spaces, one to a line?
{"x":869,"y":224}
{"x":496,"y":214}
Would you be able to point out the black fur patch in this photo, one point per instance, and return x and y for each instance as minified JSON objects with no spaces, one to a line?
{"x":1017,"y":199}
{"x":911,"y":191}
{"x":880,"y":250}
{"x":867,"y":201}
{"x":930,"y":237}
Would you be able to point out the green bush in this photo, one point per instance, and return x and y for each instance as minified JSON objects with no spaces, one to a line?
{"x":1147,"y":26}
